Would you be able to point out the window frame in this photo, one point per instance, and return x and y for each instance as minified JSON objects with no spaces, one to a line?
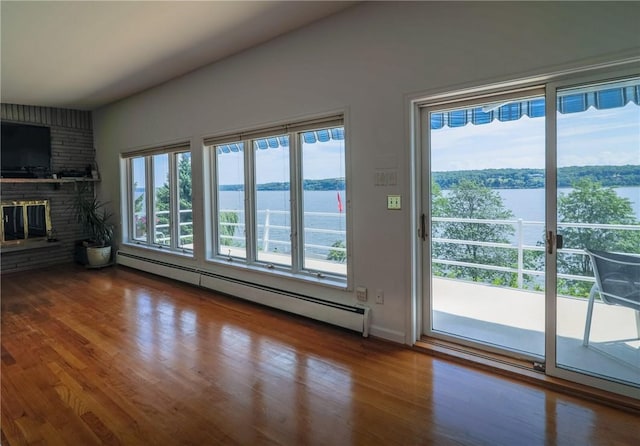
{"x":294,"y":131}
{"x":147,"y":155}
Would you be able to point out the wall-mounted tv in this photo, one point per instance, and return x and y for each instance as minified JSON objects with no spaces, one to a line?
{"x":25,"y":151}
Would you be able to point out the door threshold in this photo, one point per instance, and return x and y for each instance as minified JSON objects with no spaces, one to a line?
{"x":521,"y":370}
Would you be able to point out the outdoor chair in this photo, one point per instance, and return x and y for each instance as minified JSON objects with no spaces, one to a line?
{"x":617,"y":282}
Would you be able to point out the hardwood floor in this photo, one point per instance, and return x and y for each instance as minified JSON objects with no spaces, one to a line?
{"x":120,"y":357}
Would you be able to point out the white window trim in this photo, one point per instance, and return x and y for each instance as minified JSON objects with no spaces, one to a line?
{"x":251,"y":262}
{"x":172,"y":151}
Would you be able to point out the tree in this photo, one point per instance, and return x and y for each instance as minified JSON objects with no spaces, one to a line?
{"x":185,"y":200}
{"x":590,"y":202}
{"x":140,"y":215}
{"x":227,"y":231}
{"x":470,"y":200}
{"x":337,"y":255}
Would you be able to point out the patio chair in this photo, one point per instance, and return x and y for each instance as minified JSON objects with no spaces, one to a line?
{"x":617,"y":282}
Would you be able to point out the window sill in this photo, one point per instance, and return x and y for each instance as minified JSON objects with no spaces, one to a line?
{"x":307,"y":277}
{"x":156,"y":249}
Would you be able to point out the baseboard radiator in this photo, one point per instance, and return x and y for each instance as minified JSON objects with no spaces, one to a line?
{"x":355,"y":318}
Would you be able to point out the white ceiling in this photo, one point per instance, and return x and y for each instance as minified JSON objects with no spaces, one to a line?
{"x":85,"y":54}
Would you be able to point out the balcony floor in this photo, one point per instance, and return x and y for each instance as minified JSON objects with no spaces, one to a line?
{"x":515,"y":319}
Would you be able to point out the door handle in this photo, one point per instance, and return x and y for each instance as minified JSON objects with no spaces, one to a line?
{"x":559,"y":242}
{"x":422,"y":232}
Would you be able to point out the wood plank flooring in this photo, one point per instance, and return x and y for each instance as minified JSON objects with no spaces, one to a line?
{"x":119,"y":357}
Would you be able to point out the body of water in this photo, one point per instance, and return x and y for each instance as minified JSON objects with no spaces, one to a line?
{"x":526,"y":204}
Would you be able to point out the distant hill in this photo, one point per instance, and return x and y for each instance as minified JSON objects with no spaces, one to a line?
{"x":324,"y":184}
{"x":608,"y":176}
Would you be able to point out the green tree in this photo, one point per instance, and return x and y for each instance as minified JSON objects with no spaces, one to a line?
{"x":185,"y":200}
{"x":470,"y":200}
{"x":228,"y":231}
{"x":337,"y":255}
{"x":140,"y":220}
{"x":590,"y":202}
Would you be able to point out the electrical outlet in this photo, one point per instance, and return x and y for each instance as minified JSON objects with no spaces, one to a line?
{"x":379,"y":297}
{"x":361,"y":293}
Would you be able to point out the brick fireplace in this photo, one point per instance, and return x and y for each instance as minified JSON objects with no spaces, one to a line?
{"x":71,"y":151}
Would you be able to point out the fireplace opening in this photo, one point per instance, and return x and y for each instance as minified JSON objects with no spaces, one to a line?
{"x":24,"y":221}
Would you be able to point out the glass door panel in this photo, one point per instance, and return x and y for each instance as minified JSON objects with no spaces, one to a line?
{"x":487,"y":212}
{"x":598,"y":214}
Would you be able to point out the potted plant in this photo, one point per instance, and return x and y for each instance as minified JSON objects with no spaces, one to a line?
{"x":95,"y":218}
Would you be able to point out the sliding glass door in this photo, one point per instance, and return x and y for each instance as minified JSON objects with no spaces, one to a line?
{"x":598,"y":218}
{"x":486,"y":216}
{"x":530,"y":226}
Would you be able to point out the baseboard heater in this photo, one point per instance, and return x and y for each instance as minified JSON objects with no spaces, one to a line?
{"x":347,"y":316}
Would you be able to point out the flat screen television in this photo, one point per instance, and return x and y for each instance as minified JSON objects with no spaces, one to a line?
{"x":25,"y":151}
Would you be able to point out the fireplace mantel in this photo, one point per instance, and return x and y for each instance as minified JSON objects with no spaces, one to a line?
{"x":28,"y":245}
{"x":48,"y":180}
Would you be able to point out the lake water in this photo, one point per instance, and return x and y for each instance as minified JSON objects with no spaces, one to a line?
{"x":526,"y":204}
{"x":278,"y":201}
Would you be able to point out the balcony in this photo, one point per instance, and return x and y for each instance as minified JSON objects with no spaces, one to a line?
{"x":515,"y":318}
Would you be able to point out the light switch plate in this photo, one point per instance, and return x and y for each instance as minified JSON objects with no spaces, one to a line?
{"x":393,"y":202}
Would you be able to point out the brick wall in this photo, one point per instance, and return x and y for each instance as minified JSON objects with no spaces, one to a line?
{"x":71,"y":149}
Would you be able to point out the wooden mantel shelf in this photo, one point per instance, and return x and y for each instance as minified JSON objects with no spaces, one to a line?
{"x":48,"y":180}
{"x":26,"y":245}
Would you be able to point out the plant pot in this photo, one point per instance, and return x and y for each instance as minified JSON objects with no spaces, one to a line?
{"x":98,"y":256}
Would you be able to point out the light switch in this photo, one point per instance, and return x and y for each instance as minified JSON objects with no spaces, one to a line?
{"x":393,"y":202}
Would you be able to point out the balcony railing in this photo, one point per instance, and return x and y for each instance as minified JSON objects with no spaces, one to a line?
{"x":266,"y":229}
{"x":273,"y":234}
{"x":520,"y":246}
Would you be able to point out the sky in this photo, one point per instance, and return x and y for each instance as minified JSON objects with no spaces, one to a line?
{"x":319,"y":160}
{"x":593,"y":137}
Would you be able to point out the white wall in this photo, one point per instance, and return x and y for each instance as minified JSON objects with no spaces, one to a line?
{"x":368,"y":60}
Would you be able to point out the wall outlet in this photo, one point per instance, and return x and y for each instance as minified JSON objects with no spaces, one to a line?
{"x":361,"y":293}
{"x":379,"y":297}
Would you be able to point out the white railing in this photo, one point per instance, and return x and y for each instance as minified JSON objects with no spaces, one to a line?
{"x":520,"y":245}
{"x":267,"y":228}
{"x":163,"y":235}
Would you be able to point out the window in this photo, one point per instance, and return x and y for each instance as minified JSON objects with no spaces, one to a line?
{"x":230,"y":201}
{"x":159,"y":185}
{"x":279,"y":198}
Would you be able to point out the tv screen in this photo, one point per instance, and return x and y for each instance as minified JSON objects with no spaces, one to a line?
{"x":26,"y":150}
